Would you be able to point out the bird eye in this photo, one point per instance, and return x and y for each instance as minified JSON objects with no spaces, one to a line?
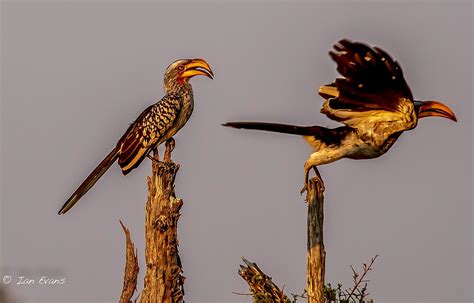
{"x":181,"y":67}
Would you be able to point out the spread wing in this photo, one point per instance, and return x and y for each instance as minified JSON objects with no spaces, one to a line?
{"x":372,"y":86}
{"x":148,"y":131}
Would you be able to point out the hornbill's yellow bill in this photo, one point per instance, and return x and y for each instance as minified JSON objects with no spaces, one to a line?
{"x":155,"y":125}
{"x":196,"y":67}
{"x":371,"y":99}
{"x":434,"y":109}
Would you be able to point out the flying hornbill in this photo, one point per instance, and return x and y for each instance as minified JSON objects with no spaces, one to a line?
{"x":155,"y":125}
{"x":372,"y":99}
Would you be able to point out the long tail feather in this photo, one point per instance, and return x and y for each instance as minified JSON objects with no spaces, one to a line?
{"x":276,"y":127}
{"x":90,"y":181}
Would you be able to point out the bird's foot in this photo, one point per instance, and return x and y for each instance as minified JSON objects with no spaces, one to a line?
{"x":155,"y":157}
{"x":319,"y":180}
{"x":170,"y":144}
{"x":305,"y":186}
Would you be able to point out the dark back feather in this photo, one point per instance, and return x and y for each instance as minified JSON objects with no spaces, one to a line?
{"x":372,"y":79}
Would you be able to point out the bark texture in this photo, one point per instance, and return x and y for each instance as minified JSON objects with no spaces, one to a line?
{"x":261,"y":286}
{"x":131,"y":269}
{"x":163,"y":279}
{"x":316,"y":255}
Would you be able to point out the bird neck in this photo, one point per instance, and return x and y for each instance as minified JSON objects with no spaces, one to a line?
{"x":184,"y":91}
{"x":177,"y":87}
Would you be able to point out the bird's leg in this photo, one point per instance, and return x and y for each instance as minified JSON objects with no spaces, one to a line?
{"x":319,"y":178}
{"x":306,"y":178}
{"x":313,"y":161}
{"x":156,"y":156}
{"x":307,"y":168}
{"x":170,"y":144}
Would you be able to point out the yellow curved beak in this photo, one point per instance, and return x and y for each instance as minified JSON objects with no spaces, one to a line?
{"x":197,"y":67}
{"x":435,"y":109}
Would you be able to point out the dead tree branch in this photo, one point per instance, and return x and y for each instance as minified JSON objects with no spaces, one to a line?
{"x":131,"y":268}
{"x":316,"y":255}
{"x":261,"y":286}
{"x":163,"y":279}
{"x":358,"y":279}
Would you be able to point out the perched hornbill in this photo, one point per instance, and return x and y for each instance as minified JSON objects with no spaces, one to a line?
{"x":372,"y":99}
{"x":156,"y":124}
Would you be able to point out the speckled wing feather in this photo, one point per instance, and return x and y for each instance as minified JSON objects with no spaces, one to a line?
{"x":148,"y":130}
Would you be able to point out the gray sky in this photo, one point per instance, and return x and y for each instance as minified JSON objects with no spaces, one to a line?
{"x":74,"y":75}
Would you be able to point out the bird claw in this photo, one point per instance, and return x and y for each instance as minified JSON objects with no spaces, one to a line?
{"x":156,"y":156}
{"x":154,"y":159}
{"x":306,"y":181}
{"x":305,"y":188}
{"x":319,"y":181}
{"x":170,"y":144}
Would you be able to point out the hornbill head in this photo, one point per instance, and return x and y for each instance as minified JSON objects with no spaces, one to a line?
{"x":433,"y":109}
{"x":180,"y":71}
